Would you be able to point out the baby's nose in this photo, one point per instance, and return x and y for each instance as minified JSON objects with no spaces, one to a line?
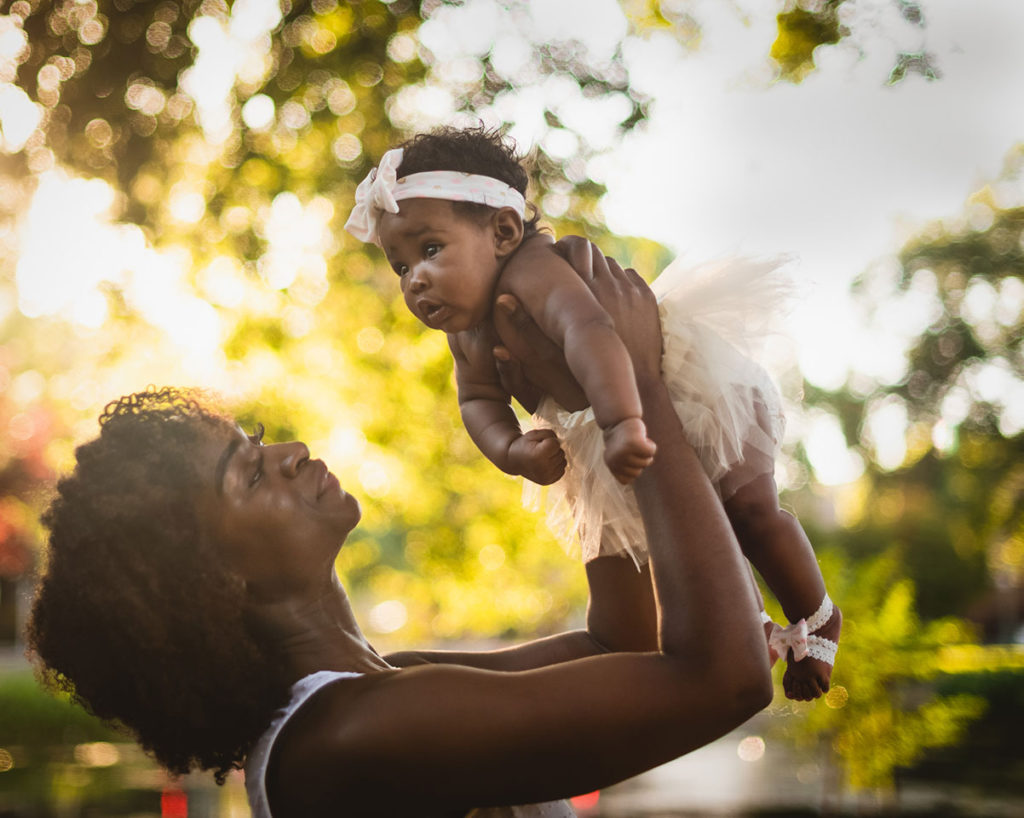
{"x":418,"y":280}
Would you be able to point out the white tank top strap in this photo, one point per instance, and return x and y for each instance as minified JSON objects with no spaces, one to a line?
{"x":259,"y":757}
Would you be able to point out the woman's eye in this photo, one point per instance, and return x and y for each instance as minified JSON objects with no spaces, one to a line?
{"x":256,"y":437}
{"x":257,"y":475}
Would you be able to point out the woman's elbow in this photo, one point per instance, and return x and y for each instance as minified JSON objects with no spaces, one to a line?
{"x":760,"y":691}
{"x":753,"y":691}
{"x":748,"y":686}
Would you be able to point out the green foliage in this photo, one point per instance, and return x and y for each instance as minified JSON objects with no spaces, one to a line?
{"x":955,"y":507}
{"x":984,"y":757}
{"x":800,"y":33}
{"x":882,"y":712}
{"x":35,"y":720}
{"x":922,"y":543}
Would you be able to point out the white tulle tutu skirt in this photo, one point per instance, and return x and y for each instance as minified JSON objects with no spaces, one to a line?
{"x":712,"y":317}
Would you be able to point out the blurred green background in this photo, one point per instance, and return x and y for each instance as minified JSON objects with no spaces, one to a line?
{"x":173,"y":180}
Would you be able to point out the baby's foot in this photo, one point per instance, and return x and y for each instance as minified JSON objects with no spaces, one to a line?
{"x":627,"y":449}
{"x":810,"y":677}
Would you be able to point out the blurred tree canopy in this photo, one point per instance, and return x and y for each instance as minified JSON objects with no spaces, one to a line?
{"x":934,"y":537}
{"x":230,"y":138}
{"x":954,"y":504}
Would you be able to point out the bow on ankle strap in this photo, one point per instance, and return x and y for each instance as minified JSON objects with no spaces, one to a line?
{"x":794,"y":637}
{"x":800,"y":636}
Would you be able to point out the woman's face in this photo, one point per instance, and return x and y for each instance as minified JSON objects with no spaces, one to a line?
{"x":279,"y":517}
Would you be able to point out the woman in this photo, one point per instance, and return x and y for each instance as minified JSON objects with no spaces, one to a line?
{"x":191,"y":593}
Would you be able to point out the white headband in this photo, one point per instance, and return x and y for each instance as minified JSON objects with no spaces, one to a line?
{"x":381,"y":191}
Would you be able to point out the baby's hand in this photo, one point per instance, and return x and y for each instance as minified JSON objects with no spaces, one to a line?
{"x":627,"y":449}
{"x":537,"y":456}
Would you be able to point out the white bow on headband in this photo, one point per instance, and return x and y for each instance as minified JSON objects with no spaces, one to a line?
{"x":381,"y":191}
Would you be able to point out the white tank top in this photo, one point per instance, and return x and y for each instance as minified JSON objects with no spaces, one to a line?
{"x":301,"y":691}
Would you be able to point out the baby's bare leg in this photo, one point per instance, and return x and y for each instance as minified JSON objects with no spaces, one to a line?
{"x":775,"y":543}
{"x":621,"y":613}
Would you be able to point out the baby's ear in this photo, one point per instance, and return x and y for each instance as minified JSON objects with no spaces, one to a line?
{"x":508,"y":231}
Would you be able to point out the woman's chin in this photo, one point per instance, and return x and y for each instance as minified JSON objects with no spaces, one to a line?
{"x":349,"y":518}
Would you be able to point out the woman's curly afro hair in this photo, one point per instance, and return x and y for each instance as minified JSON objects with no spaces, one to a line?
{"x":476,"y":150}
{"x":135,"y":615}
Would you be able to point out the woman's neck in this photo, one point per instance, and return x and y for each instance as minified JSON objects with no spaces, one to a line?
{"x":317,"y":631}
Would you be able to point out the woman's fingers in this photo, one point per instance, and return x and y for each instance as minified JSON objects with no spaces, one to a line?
{"x":580,"y":253}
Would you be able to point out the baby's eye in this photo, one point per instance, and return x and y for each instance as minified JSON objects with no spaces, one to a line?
{"x":432,"y":250}
{"x":401,"y":269}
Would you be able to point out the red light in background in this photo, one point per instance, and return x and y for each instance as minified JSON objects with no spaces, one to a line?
{"x":588,"y":801}
{"x":173,"y":803}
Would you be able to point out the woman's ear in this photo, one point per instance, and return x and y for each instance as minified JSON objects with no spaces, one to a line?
{"x":508,"y":231}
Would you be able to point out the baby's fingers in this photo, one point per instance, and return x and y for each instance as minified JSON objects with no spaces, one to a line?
{"x":631,"y":468}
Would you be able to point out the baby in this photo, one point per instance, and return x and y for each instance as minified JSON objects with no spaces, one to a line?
{"x":449,"y":212}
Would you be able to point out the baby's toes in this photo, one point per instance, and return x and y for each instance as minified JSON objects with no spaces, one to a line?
{"x":800,"y":690}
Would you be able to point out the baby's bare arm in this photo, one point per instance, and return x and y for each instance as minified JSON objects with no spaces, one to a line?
{"x":488,"y":417}
{"x":565,"y":310}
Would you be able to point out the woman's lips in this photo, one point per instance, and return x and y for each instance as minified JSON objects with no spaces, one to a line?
{"x":326,"y":482}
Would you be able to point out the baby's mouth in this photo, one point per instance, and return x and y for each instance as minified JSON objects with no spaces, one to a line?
{"x":433,"y":313}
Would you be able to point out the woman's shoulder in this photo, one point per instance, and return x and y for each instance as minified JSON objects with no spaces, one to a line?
{"x":322,"y":712}
{"x":331,"y":755}
{"x":307,"y":735}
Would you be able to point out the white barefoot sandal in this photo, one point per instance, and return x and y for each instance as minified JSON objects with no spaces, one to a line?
{"x":800,"y":636}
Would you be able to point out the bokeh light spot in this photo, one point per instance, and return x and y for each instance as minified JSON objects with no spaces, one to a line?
{"x":402,"y":47}
{"x":97,"y":754}
{"x":91,"y":32}
{"x":373,"y":477}
{"x":837,"y":697}
{"x":185,"y":205}
{"x":347,"y":148}
{"x":388,"y":616}
{"x":258,"y":112}
{"x":370,"y":340}
{"x":99,"y":132}
{"x":751,"y":748}
{"x":492,"y":557}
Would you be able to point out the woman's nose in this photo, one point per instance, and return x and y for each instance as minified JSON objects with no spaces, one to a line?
{"x":293,"y":455}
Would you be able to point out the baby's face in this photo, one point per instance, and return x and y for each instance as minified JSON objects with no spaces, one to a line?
{"x":447,"y":263}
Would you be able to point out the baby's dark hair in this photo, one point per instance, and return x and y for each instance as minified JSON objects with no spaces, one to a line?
{"x":136,"y":615}
{"x":478,"y":150}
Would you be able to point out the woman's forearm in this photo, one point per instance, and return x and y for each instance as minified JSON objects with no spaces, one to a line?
{"x":562,"y":647}
{"x":707,"y":589}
